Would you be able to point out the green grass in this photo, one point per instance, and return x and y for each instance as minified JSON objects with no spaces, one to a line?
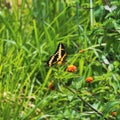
{"x":30,"y":35}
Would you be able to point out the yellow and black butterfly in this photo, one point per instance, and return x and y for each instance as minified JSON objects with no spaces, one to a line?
{"x":58,"y":57}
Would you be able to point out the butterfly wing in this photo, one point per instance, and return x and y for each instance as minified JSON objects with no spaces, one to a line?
{"x":52,"y":60}
{"x":58,"y":57}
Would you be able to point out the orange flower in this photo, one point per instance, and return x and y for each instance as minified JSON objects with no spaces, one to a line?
{"x":89,"y":79}
{"x":114,"y":113}
{"x":71,"y":68}
{"x":51,"y":86}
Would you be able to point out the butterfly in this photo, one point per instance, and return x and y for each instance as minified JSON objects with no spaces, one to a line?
{"x":58,"y":57}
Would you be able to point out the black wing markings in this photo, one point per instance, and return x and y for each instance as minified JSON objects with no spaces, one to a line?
{"x":58,"y":57}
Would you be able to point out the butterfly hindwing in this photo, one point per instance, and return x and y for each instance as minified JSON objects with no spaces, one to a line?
{"x":58,"y":56}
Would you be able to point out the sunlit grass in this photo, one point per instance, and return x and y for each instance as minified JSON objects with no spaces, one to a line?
{"x":30,"y":34}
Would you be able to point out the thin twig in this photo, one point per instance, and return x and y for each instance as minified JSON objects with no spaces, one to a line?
{"x":99,"y":113}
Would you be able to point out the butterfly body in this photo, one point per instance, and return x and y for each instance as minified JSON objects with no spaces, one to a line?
{"x":58,"y":57}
